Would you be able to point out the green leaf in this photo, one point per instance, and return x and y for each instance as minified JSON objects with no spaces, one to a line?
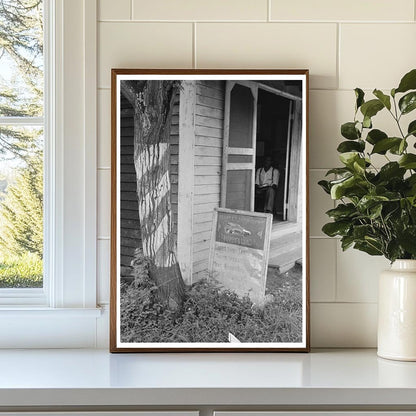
{"x":408,"y":161}
{"x":408,"y":82}
{"x":407,"y":240}
{"x":346,"y":242}
{"x":349,"y":146}
{"x":360,"y":231}
{"x":336,"y":228}
{"x":408,"y":102}
{"x":371,"y":108}
{"x":375,"y":211}
{"x":375,"y":136}
{"x":359,"y":95}
{"x":342,"y":211}
{"x":367,"y":122}
{"x":348,"y":158}
{"x":385,"y":99}
{"x":338,"y":171}
{"x":339,"y":189}
{"x":391,"y":170}
{"x":350,"y":131}
{"x":369,"y":201}
{"x":368,"y":248}
{"x":325,"y":186}
{"x":400,"y":148}
{"x":411,"y":130}
{"x":383,"y":145}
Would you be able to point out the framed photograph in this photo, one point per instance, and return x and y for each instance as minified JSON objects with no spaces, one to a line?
{"x":209,"y":211}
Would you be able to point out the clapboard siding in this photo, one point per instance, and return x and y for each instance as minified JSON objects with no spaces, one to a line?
{"x":209,"y":120}
{"x":174,"y":158}
{"x":130,"y":238}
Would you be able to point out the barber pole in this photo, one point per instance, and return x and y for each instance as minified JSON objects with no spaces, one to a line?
{"x":152,"y":102}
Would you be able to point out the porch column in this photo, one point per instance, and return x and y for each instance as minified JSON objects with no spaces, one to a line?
{"x":187,"y":102}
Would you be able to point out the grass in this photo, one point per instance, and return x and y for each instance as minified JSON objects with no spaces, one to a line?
{"x":209,"y":314}
{"x":25,"y":271}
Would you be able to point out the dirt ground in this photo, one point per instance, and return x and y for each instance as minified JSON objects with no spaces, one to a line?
{"x":290,"y":281}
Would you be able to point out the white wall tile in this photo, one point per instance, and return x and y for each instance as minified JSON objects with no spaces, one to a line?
{"x":200,"y":10}
{"x":103,"y":271}
{"x":343,"y":285}
{"x":319,"y":203}
{"x":376,"y":55}
{"x":347,"y":325}
{"x":104,"y":202}
{"x":357,"y":275}
{"x":114,"y":10}
{"x":342,"y":10}
{"x":142,"y":45}
{"x":258,"y":45}
{"x":323,"y":269}
{"x":104,"y":129}
{"x":328,"y":110}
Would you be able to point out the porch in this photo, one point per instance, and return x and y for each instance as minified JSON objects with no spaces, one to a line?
{"x":285,"y":245}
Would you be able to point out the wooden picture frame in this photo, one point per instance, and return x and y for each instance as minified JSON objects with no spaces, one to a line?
{"x":187,"y":146}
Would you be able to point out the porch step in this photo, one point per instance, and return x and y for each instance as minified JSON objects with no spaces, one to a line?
{"x":285,"y":246}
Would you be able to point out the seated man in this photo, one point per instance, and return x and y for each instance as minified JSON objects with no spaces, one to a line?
{"x":267,"y":180}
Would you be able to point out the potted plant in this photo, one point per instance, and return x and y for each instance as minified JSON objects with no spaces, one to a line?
{"x":376,"y":207}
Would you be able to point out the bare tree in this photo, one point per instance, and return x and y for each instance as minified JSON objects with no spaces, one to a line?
{"x":152,"y":102}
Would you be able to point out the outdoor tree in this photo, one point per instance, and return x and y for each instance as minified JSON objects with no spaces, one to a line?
{"x":21,"y":76}
{"x":152,"y":102}
{"x":21,"y":143}
{"x":21,"y":225}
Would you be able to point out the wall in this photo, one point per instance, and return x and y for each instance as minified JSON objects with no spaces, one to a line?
{"x":345,"y":44}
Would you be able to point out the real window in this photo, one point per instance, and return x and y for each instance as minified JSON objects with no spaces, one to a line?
{"x":22,"y":139}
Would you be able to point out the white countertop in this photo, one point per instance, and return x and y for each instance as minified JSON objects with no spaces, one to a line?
{"x":96,"y":377}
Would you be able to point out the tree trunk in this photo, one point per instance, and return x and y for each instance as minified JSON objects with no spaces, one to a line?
{"x":152,"y":102}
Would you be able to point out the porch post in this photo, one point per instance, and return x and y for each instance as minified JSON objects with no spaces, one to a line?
{"x":186,"y":175}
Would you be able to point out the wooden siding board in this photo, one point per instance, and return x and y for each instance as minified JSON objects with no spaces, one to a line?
{"x":209,"y":120}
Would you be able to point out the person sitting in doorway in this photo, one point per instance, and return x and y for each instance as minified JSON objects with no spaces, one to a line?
{"x":267,"y":180}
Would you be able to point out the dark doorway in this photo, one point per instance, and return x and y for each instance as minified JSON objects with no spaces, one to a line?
{"x":272,"y":139}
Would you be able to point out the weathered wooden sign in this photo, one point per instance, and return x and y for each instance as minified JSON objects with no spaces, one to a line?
{"x":239,"y":251}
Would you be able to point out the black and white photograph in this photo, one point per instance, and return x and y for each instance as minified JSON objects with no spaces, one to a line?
{"x":209,"y":242}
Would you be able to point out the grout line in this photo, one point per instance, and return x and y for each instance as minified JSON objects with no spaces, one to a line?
{"x":131,"y":9}
{"x":269,"y":10}
{"x":103,"y":238}
{"x":310,"y":22}
{"x":338,"y":63}
{"x":194,"y":62}
{"x":104,"y":168}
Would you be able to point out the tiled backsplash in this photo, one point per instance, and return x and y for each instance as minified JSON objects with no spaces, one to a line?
{"x":345,"y":44}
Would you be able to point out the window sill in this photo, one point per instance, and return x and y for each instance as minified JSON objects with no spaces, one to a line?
{"x":36,"y":312}
{"x":40,"y":327}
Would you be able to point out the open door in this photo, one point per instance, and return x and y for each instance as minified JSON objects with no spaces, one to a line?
{"x":240,"y":118}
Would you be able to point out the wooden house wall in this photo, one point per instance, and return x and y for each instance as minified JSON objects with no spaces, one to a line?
{"x":209,"y":119}
{"x":130,"y":235}
{"x":174,"y":159}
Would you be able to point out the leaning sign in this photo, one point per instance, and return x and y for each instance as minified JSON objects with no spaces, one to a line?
{"x":239,"y":252}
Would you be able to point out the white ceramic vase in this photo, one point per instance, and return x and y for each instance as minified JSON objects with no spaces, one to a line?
{"x":397,"y":312}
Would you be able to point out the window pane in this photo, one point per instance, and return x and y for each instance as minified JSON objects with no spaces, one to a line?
{"x":241,"y":117}
{"x":21,"y":207}
{"x":21,"y":58}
